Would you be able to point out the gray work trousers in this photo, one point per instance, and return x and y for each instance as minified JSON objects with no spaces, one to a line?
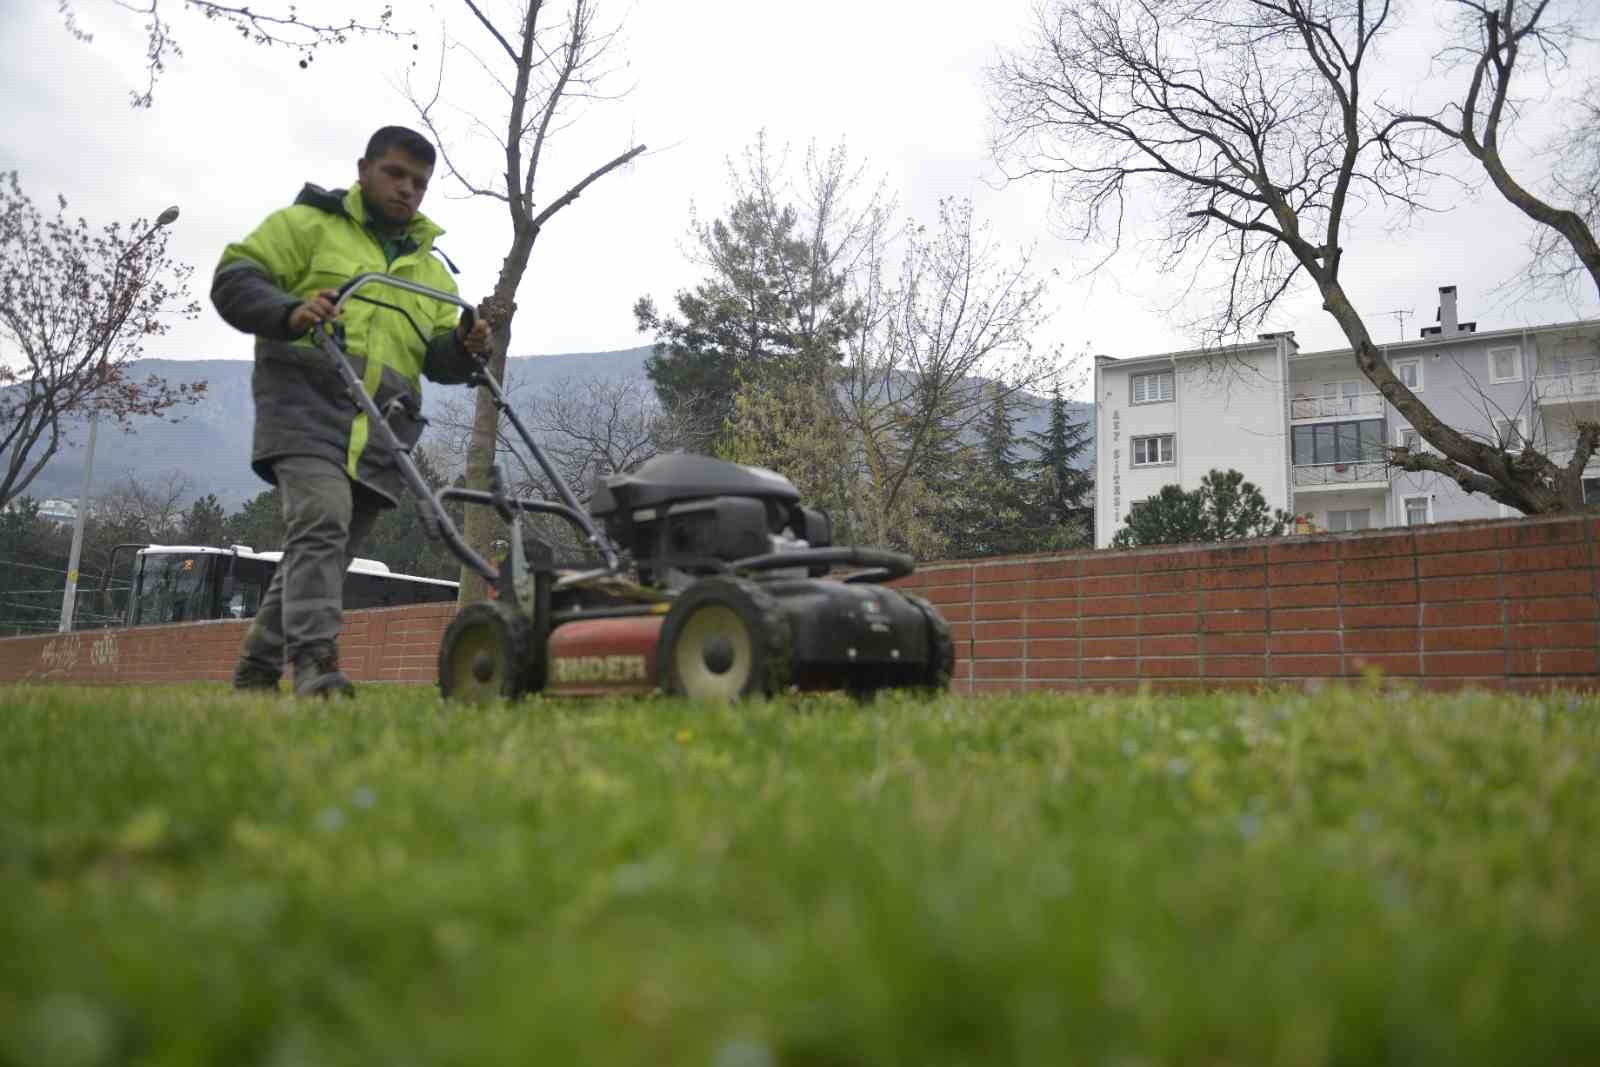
{"x":326,"y":518}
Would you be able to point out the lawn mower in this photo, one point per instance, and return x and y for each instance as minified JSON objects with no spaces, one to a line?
{"x":699,"y":577}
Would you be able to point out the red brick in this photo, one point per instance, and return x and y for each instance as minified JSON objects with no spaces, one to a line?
{"x":1546,"y":558}
{"x":1236,"y":666}
{"x":1463,"y":638}
{"x":1115,"y":585}
{"x":989,"y":592}
{"x":947,"y":594}
{"x":1110,"y":563}
{"x":997,"y":650}
{"x":1392,"y":663}
{"x":1183,"y":559}
{"x":1170,"y":645}
{"x":1360,"y":615}
{"x":1051,"y":609}
{"x":1463,"y":664}
{"x":1213,"y":644}
{"x":1434,"y":542}
{"x":1480,"y":587}
{"x":1053,"y":588}
{"x":1171,"y":582}
{"x":1554,"y":609}
{"x":1400,"y":592}
{"x":1375,"y":545}
{"x":1045,"y":628}
{"x":1550,"y":583}
{"x":1111,"y":626}
{"x":961,"y":612}
{"x":1232,"y":621}
{"x":1054,"y":649}
{"x":1004,"y":609}
{"x":1304,"y":642}
{"x":1554,"y":661}
{"x":1110,"y":668}
{"x":1047,"y":569}
{"x":997,"y":631}
{"x":1299,"y":551}
{"x":1555,"y":635}
{"x":1302,"y":573}
{"x":1185,"y":623}
{"x":1305,"y":619}
{"x":1233,"y":600}
{"x":1156,"y":667}
{"x":1303,"y":596}
{"x":1532,"y":532}
{"x":1100,"y":647}
{"x":1110,"y":605}
{"x":999,"y":572}
{"x":1169,"y":603}
{"x":1053,"y":668}
{"x":1313,"y":666}
{"x":1001,"y":668}
{"x":1462,"y":613}
{"x":1381,"y":641}
{"x":1458,"y":563}
{"x":1386,"y":569}
{"x":1232,"y":578}
{"x":946,"y":576}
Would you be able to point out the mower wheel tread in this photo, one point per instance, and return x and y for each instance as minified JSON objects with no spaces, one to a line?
{"x":508,"y":641}
{"x":772,"y":641}
{"x":941,"y":665}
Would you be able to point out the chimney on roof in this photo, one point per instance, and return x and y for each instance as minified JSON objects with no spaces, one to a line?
{"x":1446,"y":317}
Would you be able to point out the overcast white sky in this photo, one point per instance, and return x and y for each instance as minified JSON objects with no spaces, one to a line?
{"x":237,"y":129}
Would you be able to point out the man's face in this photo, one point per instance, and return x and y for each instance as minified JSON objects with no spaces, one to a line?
{"x":392,"y":185}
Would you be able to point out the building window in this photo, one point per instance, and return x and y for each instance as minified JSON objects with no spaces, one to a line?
{"x":1591,"y":490}
{"x":1418,"y":510}
{"x":1351,"y":519}
{"x":1152,"y":388}
{"x":1154,"y":451}
{"x":1505,"y":364}
{"x":1409,"y":371}
{"x":1409,"y":439}
{"x":1338,"y":442}
{"x":1510,"y":434}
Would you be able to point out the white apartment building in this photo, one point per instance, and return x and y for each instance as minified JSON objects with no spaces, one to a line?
{"x":1308,"y":428}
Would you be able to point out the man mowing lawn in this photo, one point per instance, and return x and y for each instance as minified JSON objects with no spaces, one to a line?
{"x":310,"y":440}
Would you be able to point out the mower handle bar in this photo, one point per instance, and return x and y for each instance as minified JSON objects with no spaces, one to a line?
{"x":435,"y":519}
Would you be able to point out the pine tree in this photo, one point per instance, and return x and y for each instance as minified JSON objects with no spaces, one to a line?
{"x":1062,"y":491}
{"x":1224,"y":508}
{"x":205,"y":523}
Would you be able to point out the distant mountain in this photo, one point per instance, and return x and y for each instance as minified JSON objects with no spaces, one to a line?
{"x":210,"y":441}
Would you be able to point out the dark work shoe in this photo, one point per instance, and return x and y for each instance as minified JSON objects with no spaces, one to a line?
{"x":253,"y":676}
{"x":317,"y":674}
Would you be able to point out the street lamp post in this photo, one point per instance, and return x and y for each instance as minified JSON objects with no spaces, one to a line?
{"x":69,"y":596}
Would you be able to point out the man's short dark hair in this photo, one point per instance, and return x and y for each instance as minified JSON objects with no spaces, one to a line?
{"x":409,"y":141}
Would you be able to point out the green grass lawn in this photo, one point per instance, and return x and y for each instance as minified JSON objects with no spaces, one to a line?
{"x":1353,"y":877}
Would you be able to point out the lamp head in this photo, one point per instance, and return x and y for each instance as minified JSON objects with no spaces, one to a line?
{"x":168,"y":217}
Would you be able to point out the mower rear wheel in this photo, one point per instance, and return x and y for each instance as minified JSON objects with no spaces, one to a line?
{"x":941,"y":665}
{"x":485,"y":654}
{"x":723,"y":640}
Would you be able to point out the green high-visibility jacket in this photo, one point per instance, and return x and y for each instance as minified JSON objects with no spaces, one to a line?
{"x":321,"y":242}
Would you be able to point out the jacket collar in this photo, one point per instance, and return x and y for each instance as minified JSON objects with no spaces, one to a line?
{"x":422,"y":229}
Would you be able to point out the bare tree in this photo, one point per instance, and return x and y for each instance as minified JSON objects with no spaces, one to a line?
{"x":596,"y":426}
{"x":269,"y":25}
{"x":76,"y":305}
{"x":1254,"y":130}
{"x":542,"y":69}
{"x":956,"y":322}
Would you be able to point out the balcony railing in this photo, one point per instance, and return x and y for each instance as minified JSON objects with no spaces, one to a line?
{"x":1311,"y":475}
{"x":1577,"y":385}
{"x":1335,"y":407}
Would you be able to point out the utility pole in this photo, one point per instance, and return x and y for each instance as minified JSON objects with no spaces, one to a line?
{"x":69,"y":596}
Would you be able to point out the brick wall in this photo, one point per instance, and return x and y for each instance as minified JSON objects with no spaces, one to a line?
{"x":1504,"y":604}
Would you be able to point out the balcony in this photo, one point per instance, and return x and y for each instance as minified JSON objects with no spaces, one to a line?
{"x":1364,"y":405}
{"x":1570,"y":388}
{"x":1360,"y":475}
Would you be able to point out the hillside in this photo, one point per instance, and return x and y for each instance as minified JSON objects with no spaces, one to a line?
{"x":210,"y":441}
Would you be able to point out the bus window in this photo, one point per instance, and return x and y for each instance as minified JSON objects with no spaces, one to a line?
{"x":250,"y":580}
{"x":173,"y":588}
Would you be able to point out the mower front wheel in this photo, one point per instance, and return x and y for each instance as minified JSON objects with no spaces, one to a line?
{"x":485,"y":654}
{"x":723,"y":640}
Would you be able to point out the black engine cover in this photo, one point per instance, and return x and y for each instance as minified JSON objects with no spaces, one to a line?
{"x":868,"y":634}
